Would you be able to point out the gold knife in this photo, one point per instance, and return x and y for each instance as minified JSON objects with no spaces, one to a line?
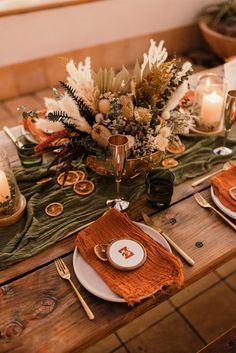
{"x":151,"y":224}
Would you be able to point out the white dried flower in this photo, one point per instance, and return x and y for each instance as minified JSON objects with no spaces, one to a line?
{"x":156,"y":55}
{"x":99,"y":118}
{"x":187,"y":66}
{"x":161,"y":142}
{"x":49,"y":126}
{"x":131,"y":141}
{"x":51,"y":104}
{"x":68,"y":106}
{"x":165,"y":114}
{"x":165,"y":131}
{"x":80,"y":79}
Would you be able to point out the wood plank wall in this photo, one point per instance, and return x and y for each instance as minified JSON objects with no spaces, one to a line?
{"x":29,"y":77}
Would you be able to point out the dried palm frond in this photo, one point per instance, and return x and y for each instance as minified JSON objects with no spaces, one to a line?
{"x":108,"y":81}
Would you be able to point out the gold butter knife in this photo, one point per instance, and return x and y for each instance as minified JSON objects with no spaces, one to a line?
{"x":151,"y":224}
{"x":226,"y":166}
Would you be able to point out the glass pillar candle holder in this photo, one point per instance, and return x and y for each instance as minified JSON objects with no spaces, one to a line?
{"x":12,"y":202}
{"x":209,"y":101}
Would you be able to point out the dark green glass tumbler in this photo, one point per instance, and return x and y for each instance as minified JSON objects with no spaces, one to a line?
{"x":27,"y":155}
{"x":159,"y":187}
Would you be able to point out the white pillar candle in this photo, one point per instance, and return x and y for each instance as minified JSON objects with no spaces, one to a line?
{"x":4,"y":188}
{"x":211,"y":108}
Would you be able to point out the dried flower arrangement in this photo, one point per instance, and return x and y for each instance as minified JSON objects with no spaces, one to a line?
{"x":142,"y":105}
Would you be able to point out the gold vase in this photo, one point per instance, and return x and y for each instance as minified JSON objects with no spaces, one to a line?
{"x":132,"y":167}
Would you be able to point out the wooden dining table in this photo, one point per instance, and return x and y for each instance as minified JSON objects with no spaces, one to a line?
{"x":39,"y":312}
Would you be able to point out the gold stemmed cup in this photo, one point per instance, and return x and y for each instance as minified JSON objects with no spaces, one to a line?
{"x":118,"y":145}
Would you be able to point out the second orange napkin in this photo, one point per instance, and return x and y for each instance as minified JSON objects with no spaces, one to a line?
{"x":160,"y":270}
{"x":221,"y":183}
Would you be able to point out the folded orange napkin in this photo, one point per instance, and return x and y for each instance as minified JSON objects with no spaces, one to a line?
{"x":221,"y":183}
{"x":160,"y":270}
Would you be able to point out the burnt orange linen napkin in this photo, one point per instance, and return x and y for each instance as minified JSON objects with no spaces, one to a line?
{"x":161,"y":268}
{"x":221,"y":183}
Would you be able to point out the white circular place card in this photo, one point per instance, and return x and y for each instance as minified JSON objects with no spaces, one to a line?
{"x":126,"y":254}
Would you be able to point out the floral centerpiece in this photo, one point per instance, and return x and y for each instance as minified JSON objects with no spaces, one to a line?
{"x":143,"y":105}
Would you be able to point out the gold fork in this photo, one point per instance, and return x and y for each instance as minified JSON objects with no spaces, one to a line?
{"x":64,"y":272}
{"x":202,"y":202}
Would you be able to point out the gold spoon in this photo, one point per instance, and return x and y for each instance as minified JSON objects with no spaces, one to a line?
{"x":226,"y":166}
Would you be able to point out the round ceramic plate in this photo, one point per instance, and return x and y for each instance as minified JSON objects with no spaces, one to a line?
{"x":224,"y":209}
{"x":29,"y":137}
{"x":199,"y":132}
{"x":89,"y":278}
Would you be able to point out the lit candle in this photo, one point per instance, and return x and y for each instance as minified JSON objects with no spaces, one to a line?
{"x":211,"y":108}
{"x":4,"y":188}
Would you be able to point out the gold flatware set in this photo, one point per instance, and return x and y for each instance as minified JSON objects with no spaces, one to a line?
{"x":180,"y":251}
{"x":203,"y":203}
{"x":64,"y":272}
{"x":226,"y":166}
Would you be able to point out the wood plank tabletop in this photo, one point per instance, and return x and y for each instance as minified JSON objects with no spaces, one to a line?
{"x":40,"y":312}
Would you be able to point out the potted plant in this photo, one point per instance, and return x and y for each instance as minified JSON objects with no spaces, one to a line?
{"x":218,"y":25}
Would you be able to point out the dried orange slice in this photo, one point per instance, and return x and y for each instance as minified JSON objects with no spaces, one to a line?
{"x":169,"y":163}
{"x":84,"y":187}
{"x":43,"y":181}
{"x":81,"y":175}
{"x":100,"y":251}
{"x":177,"y":147}
{"x":54,"y":209}
{"x":71,"y":178}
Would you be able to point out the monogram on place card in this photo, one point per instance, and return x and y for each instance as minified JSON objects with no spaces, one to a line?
{"x":126,"y":254}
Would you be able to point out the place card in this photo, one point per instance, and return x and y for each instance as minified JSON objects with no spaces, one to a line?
{"x":230,"y":74}
{"x":126,"y":254}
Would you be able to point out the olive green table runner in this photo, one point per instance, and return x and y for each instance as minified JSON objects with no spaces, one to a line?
{"x":39,"y":231}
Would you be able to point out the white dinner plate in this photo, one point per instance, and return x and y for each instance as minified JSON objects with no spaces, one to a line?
{"x":199,"y":132}
{"x":29,"y":137}
{"x":89,"y":278}
{"x":224,"y":209}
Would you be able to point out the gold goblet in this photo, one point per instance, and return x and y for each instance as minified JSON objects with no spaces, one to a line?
{"x":229,"y":119}
{"x":118,"y":145}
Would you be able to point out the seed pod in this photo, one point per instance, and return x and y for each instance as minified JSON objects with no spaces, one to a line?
{"x":104,"y":106}
{"x":100,"y":134}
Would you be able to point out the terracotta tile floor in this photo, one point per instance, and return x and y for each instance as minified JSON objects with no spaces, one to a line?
{"x":188,"y":320}
{"x":185,"y":323}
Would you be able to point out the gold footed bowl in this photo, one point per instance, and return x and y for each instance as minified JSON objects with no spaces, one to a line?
{"x":133,"y":167}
